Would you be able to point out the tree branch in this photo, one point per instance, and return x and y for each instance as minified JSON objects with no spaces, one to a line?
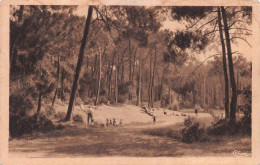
{"x":241,"y":39}
{"x":241,"y":29}
{"x":218,"y":54}
{"x":200,"y":20}
{"x":206,"y":24}
{"x":102,"y":18}
{"x":234,"y":23}
{"x":249,"y":34}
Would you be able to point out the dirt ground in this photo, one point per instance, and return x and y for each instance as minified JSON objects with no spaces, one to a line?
{"x":80,"y":140}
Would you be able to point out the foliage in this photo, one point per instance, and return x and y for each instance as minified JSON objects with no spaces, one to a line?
{"x":77,"y":118}
{"x":193,"y":132}
{"x":60,"y":115}
{"x":20,"y":126}
{"x":44,"y":41}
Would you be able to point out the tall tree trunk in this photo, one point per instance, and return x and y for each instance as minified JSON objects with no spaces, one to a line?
{"x":224,"y":66}
{"x":39,"y":105}
{"x":130,"y":60}
{"x":231,"y":70}
{"x":116,"y":90}
{"x":58,"y":79}
{"x":139,"y":84}
{"x":61,"y":83}
{"x":110,"y":75}
{"x":99,"y":77}
{"x":170,"y":95}
{"x":238,"y":79}
{"x":79,"y":63}
{"x":150,"y":82}
{"x":123,"y":67}
{"x":94,"y":67}
{"x":142,"y":63}
{"x":204,"y":92}
{"x":152,"y":88}
{"x":133,"y":73}
{"x":130,"y":66}
{"x":194,"y":98}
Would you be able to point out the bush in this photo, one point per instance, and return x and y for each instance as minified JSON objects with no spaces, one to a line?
{"x":103,"y":99}
{"x":31,"y":124}
{"x":49,"y":110}
{"x":78,"y":101}
{"x":19,"y":108}
{"x":60,"y":115}
{"x":89,"y":100}
{"x":77,"y":118}
{"x":193,"y":132}
{"x":219,"y":128}
{"x":121,"y":99}
{"x":165,"y":101}
{"x":244,"y":125}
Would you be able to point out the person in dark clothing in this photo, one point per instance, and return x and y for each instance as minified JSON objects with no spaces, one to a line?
{"x":90,"y":118}
{"x":154,"y":119}
{"x":196,"y":112}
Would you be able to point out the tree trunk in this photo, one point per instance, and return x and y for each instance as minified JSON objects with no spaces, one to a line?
{"x":99,"y":77}
{"x":152,"y":88}
{"x":116,"y":91}
{"x":39,"y":105}
{"x":139,"y":84}
{"x":142,"y":62}
{"x":226,"y":102}
{"x":94,"y":67}
{"x":194,"y":98}
{"x":79,"y":63}
{"x":204,"y":92}
{"x":231,"y":70}
{"x":57,"y":83}
{"x":130,"y":60}
{"x":133,"y":73}
{"x":110,"y":75}
{"x":62,"y":82}
{"x":170,"y":100}
{"x":123,"y":67}
{"x":130,"y":66}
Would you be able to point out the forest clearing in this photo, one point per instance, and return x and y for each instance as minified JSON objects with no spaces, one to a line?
{"x":139,"y":136}
{"x":130,"y":81}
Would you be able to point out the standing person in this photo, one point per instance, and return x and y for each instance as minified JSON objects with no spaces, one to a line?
{"x":196,"y":109}
{"x":196,"y":112}
{"x":89,"y":115}
{"x":154,"y":119}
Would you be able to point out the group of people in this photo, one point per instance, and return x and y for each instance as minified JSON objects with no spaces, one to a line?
{"x":110,"y":122}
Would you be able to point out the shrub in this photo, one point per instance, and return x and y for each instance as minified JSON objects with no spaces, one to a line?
{"x":60,"y":115}
{"x":78,"y":101}
{"x":219,"y":128}
{"x":50,"y":110}
{"x":89,"y":100}
{"x":19,"y":108}
{"x":165,"y":101}
{"x":77,"y":118}
{"x":244,"y":125}
{"x":121,"y":99}
{"x":32,"y":124}
{"x":193,"y":132}
{"x":103,"y":99}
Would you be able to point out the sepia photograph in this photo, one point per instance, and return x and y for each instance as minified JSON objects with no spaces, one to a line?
{"x":130,"y":81}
